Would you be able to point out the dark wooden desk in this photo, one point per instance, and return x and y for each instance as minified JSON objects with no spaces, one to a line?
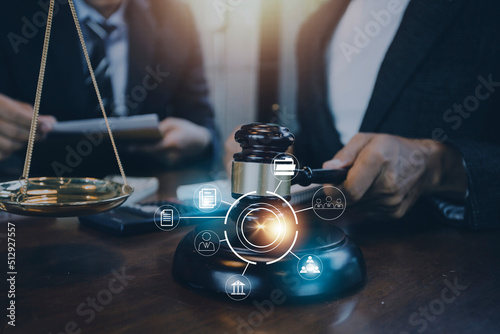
{"x":61,"y":266}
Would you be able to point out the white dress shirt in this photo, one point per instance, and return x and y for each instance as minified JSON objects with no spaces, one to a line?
{"x":354,"y":57}
{"x":116,"y":49}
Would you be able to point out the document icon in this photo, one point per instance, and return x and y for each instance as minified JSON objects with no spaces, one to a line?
{"x":208,"y":198}
{"x":284,"y":166}
{"x":167,"y":217}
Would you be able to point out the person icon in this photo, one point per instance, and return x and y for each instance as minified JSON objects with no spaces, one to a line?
{"x":338,"y":204}
{"x":318,"y":204}
{"x":329,"y":204}
{"x":303,"y":270}
{"x":206,"y":245}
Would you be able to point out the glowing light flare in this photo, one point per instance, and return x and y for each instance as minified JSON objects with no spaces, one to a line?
{"x":291,"y":221}
{"x":262,"y":228}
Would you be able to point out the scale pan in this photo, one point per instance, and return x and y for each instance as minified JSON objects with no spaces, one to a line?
{"x":62,"y":197}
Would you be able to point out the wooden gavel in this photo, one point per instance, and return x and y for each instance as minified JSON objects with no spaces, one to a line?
{"x":253,"y":167}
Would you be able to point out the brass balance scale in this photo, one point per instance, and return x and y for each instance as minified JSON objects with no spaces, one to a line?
{"x":62,"y":197}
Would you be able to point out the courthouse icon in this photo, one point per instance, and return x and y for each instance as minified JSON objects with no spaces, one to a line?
{"x":238,"y":287}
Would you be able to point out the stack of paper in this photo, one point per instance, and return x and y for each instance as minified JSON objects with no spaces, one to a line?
{"x":136,"y":128}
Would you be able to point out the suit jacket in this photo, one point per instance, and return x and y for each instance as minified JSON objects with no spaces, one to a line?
{"x":440,"y":79}
{"x":165,"y":62}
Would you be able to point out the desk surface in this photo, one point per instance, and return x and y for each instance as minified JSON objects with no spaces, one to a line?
{"x":435,"y":279}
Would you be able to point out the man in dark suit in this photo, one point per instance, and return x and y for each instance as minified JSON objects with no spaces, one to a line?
{"x":425,"y":102}
{"x":147,"y":59}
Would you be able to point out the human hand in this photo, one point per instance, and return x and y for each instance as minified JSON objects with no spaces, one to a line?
{"x":182,"y":139}
{"x":15,"y":123}
{"x":389,"y":174}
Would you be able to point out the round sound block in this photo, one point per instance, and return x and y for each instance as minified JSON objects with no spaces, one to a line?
{"x":337,"y":260}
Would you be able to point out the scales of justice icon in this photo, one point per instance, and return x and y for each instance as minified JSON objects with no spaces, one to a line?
{"x":62,"y":196}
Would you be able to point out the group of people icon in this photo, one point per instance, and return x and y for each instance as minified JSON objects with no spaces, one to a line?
{"x":329,"y":203}
{"x":310,"y":267}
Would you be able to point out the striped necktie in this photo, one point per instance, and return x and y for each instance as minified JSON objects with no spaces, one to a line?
{"x":99,"y":34}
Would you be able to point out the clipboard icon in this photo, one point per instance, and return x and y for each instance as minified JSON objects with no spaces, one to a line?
{"x":284,"y":167}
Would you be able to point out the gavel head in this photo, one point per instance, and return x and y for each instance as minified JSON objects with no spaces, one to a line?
{"x":254,"y":168}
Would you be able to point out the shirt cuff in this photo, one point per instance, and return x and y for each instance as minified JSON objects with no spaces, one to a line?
{"x":452,"y":212}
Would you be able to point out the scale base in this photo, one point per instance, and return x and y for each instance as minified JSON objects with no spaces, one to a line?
{"x":343,"y":266}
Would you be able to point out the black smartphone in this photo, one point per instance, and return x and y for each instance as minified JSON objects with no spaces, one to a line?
{"x":137,"y":219}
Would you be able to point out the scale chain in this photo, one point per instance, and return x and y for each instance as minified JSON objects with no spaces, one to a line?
{"x":36,"y":107}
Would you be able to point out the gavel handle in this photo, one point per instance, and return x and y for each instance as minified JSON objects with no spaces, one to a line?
{"x":307,"y":176}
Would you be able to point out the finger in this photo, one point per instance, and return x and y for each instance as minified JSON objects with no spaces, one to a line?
{"x":171,"y":141}
{"x":347,"y":155}
{"x":408,"y":202}
{"x":12,"y":131}
{"x":168,"y":124}
{"x":167,"y":142}
{"x":16,"y":112}
{"x":162,"y":145}
{"x":363,"y":173}
{"x":7,"y":146}
{"x":391,"y":181}
{"x":46,"y":123}
{"x":170,"y":147}
{"x":391,"y":207}
{"x":17,"y":116}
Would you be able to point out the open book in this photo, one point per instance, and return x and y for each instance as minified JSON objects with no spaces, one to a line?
{"x":133,"y":128}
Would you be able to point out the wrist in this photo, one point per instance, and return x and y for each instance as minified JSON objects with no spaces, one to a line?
{"x":447,"y":176}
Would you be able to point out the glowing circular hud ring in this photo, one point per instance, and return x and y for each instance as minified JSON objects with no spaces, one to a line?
{"x":229,"y":243}
{"x":251,"y":244}
{"x":243,"y":223}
